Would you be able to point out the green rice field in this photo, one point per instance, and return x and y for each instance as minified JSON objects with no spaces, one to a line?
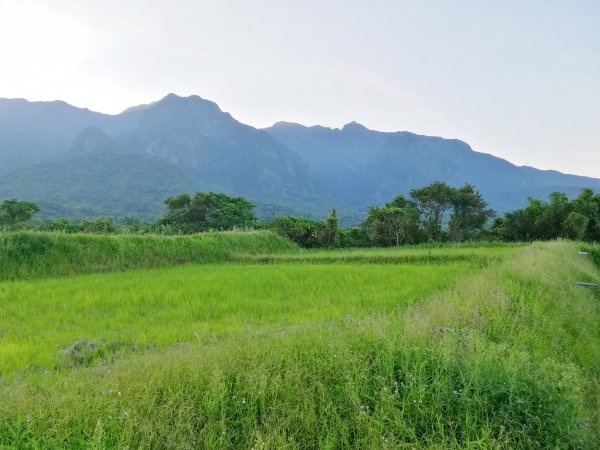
{"x":243,"y":341}
{"x":163,"y":307}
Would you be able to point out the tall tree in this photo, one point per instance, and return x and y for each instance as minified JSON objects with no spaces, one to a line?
{"x":554,"y":214}
{"x":434,"y":201}
{"x":14,"y":211}
{"x":575,"y":225}
{"x":396,"y":223}
{"x":588,"y":204}
{"x":331,"y":230}
{"x":469,"y":212}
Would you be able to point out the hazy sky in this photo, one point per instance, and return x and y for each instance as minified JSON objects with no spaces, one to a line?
{"x":519,"y":79}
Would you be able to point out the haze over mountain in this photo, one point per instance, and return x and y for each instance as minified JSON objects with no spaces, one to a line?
{"x":81,"y":163}
{"x":96,"y":177}
{"x":146,"y":153}
{"x":362,"y":167}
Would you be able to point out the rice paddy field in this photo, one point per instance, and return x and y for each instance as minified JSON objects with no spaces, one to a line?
{"x":243,"y":341}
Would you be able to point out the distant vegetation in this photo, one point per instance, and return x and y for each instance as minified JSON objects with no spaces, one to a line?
{"x":207,"y":211}
{"x":13,"y":212}
{"x":435,"y":213}
{"x":577,"y":219}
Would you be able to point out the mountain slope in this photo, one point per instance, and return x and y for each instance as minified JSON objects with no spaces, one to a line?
{"x":31,"y":132}
{"x":364,"y":167}
{"x":83,"y":163}
{"x":145,"y":154}
{"x":96,"y":178}
{"x":219,"y":153}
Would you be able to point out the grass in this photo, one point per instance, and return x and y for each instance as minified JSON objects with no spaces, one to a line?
{"x":498,"y":355}
{"x":26,"y":255}
{"x":418,"y":254}
{"x":106,"y":313}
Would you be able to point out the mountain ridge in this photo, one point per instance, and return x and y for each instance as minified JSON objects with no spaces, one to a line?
{"x":285,"y":123}
{"x":388,"y":163}
{"x":197,"y":146}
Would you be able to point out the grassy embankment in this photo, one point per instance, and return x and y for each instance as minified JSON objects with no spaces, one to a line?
{"x":453,"y":354}
{"x":26,"y":255}
{"x":29,"y":255}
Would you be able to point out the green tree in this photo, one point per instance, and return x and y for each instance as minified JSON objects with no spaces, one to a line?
{"x":469,"y":212}
{"x":14,"y":211}
{"x":554,"y":214}
{"x":63,"y":225}
{"x":523,"y":224}
{"x":575,"y":225}
{"x":558,"y":217}
{"x":179,"y":202}
{"x":434,"y":201}
{"x":356,"y":237}
{"x":396,"y":223}
{"x":588,"y":204}
{"x":331,"y":232}
{"x":304,"y":232}
{"x":207,"y":211}
{"x":99,"y":225}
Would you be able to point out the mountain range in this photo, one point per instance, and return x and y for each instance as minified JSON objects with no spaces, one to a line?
{"x":79,"y":163}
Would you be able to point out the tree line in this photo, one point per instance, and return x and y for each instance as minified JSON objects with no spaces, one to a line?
{"x":559,"y":217}
{"x":437,"y":212}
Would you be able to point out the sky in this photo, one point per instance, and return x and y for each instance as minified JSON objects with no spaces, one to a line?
{"x":519,"y":79}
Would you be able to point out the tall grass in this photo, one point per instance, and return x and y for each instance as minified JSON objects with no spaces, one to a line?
{"x":507,"y":358}
{"x":35,"y":254}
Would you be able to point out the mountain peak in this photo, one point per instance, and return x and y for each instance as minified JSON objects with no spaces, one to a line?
{"x":191,"y":115}
{"x":192,"y":100}
{"x":354,"y":126}
{"x":284,"y":124}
